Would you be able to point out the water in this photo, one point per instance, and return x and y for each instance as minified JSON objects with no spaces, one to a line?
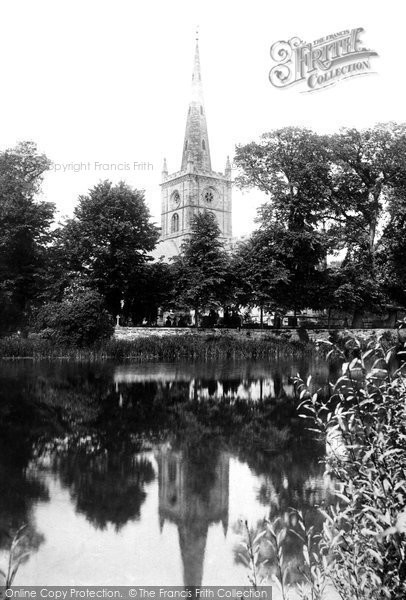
{"x":143,"y":474}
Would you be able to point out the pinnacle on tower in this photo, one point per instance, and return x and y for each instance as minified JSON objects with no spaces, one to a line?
{"x":164,"y":169}
{"x":227,"y":171}
{"x":196,"y":144}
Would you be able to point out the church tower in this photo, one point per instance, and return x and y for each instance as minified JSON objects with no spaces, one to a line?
{"x":196,"y":187}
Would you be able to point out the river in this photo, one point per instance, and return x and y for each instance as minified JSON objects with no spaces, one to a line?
{"x":143,"y":474}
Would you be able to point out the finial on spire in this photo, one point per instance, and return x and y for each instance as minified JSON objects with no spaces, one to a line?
{"x":197,"y":33}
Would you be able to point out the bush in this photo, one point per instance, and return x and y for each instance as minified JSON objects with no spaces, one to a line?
{"x":360,"y":551}
{"x":364,"y":427}
{"x":80,"y":320}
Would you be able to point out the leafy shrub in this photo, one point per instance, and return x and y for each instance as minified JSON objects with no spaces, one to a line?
{"x":79,"y":320}
{"x":363,"y":425}
{"x":360,"y":552}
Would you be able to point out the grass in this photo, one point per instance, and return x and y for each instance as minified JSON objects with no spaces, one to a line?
{"x":151,"y":348}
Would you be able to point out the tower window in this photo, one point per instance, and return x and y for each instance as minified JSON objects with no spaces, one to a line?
{"x":203,"y":145}
{"x":175,"y":223}
{"x":186,"y":145}
{"x":201,"y":110}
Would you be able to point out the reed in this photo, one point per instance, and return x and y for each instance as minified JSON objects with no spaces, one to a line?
{"x":155,"y":348}
{"x":15,"y":558}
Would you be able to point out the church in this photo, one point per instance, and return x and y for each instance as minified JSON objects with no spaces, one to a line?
{"x":196,"y":187}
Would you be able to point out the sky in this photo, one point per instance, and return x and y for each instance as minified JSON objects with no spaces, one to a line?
{"x":107,"y":83}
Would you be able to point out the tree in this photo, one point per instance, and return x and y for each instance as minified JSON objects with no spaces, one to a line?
{"x":391,"y":252}
{"x":24,"y":233}
{"x":354,"y":287}
{"x":260,"y":271}
{"x":80,"y":319}
{"x":150,"y":289}
{"x":291,"y":166}
{"x":367,"y":167}
{"x":368,"y":171}
{"x":335,"y":192}
{"x":201,"y":269}
{"x":289,"y":249}
{"x":108,"y":240}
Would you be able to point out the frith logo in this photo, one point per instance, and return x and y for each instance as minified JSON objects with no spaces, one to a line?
{"x":321,"y":63}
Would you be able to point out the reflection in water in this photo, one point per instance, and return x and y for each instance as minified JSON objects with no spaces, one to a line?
{"x":193,"y":496}
{"x":18,"y":493}
{"x":108,"y":487}
{"x":200,"y":444}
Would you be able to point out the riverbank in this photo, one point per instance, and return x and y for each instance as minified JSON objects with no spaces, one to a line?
{"x":173,"y":344}
{"x":286,"y":334}
{"x":200,"y":345}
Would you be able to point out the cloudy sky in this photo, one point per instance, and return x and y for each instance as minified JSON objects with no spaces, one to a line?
{"x":107,"y":83}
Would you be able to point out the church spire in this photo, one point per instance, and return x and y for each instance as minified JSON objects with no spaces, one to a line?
{"x":196,"y":145}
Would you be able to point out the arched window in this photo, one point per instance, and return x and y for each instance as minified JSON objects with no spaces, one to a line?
{"x":201,"y":110}
{"x":175,"y":223}
{"x":203,"y":145}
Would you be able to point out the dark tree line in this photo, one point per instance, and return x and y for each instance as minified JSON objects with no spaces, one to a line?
{"x":331,"y":234}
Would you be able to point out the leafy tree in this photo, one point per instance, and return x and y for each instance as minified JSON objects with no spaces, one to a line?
{"x":81,"y":319}
{"x":335,"y":192}
{"x":24,"y":233}
{"x":260,"y":271}
{"x":150,"y":289}
{"x":368,"y":171}
{"x":291,"y":166}
{"x":109,"y":238}
{"x":366,"y":167}
{"x":354,"y":287}
{"x":391,"y":253}
{"x":289,"y":249}
{"x":201,"y":269}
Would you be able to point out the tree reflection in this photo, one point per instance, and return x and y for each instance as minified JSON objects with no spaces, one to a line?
{"x":108,"y":488}
{"x":22,"y":424}
{"x":19,"y":493}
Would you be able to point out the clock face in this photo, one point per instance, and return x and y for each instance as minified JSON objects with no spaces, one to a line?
{"x":176,"y":198}
{"x":209,"y":196}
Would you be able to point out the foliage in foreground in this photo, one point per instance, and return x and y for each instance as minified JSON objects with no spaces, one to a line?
{"x":364,"y":425}
{"x":15,"y":558}
{"x":361,"y":551}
